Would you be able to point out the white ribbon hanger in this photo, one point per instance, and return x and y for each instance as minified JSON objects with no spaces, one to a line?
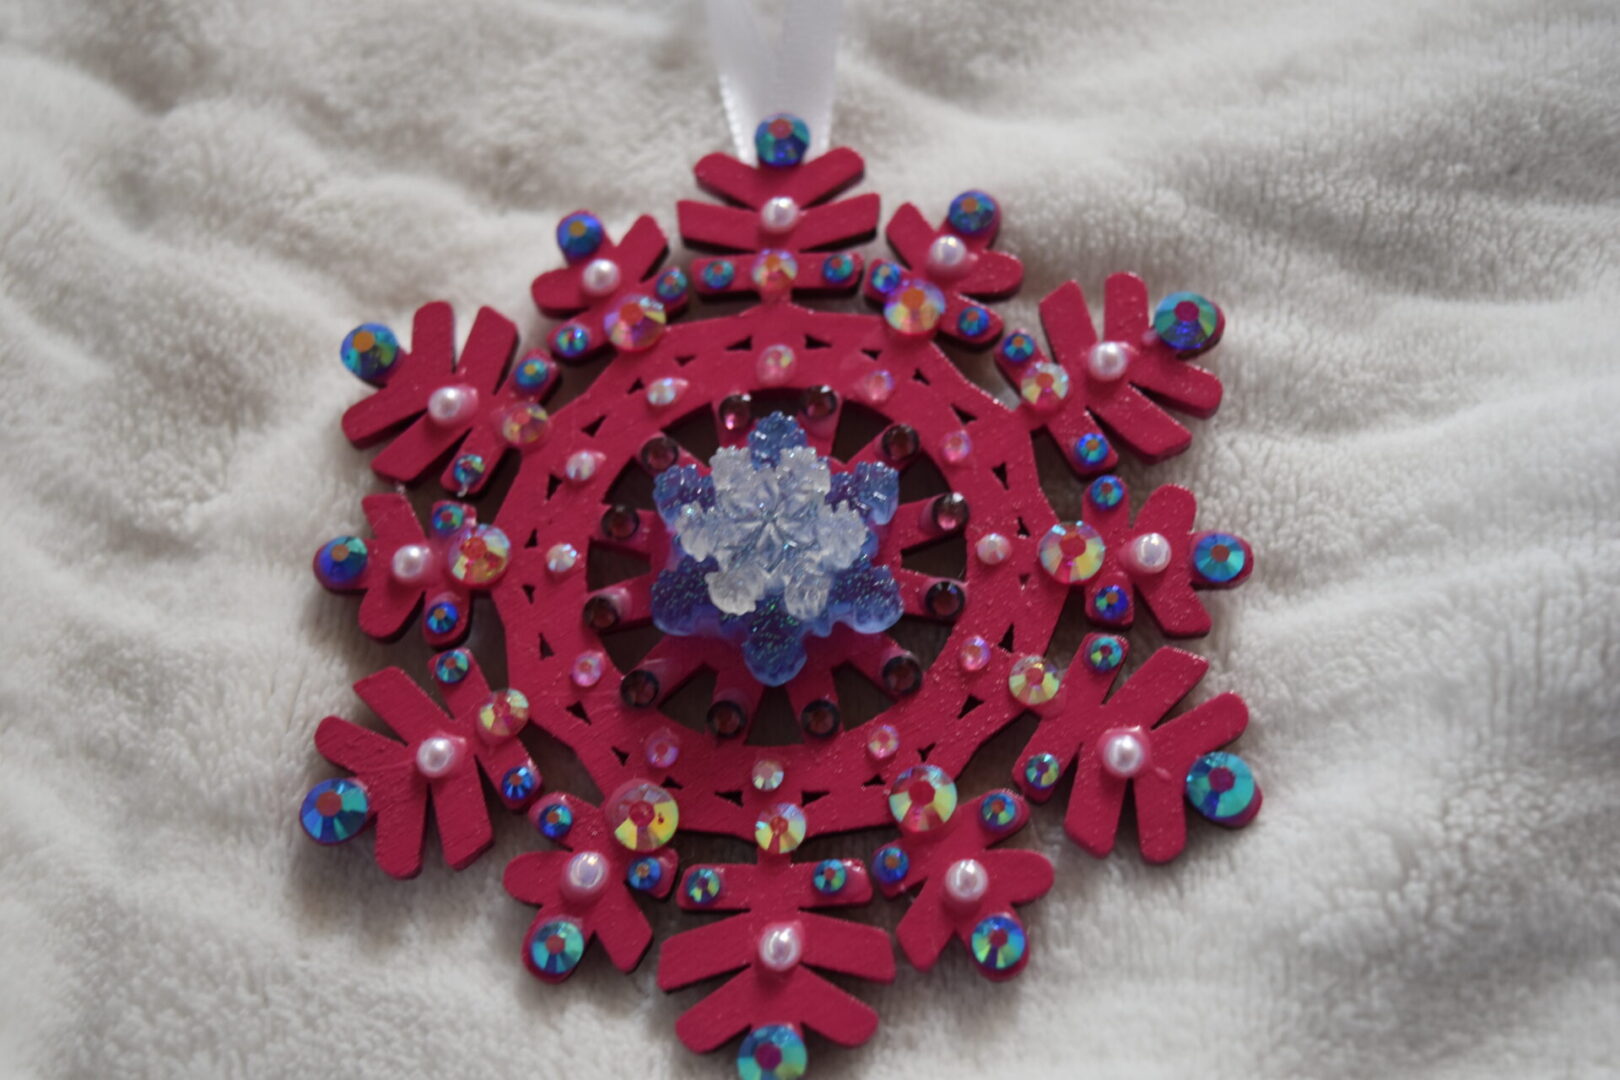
{"x":762,"y":74}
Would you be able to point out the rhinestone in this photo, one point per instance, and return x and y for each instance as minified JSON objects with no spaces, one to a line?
{"x":582,"y":465}
{"x":820,"y":718}
{"x":443,"y":616}
{"x":620,"y":522}
{"x":479,"y":556}
{"x":561,"y":558}
{"x":726,"y":718}
{"x":448,"y":518}
{"x":1017,"y":347}
{"x":998,"y":811}
{"x":774,"y":365}
{"x":883,"y":743}
{"x":370,"y":351}
{"x":519,"y":782}
{"x":772,"y":1052}
{"x":1033,"y":680}
{"x":664,"y":392}
{"x":533,"y":373}
{"x":571,"y":340}
{"x":1091,"y":450}
{"x":900,"y":442}
{"x":877,"y":386}
{"x":645,"y":874}
{"x":885,"y":276}
{"x":643,"y":816}
{"x":1041,"y":771}
{"x":781,"y":140}
{"x":467,"y":470}
{"x":780,"y":829}
{"x":838,"y":269}
{"x":1106,"y":492}
{"x":555,"y":947}
{"x":719,"y":274}
{"x":588,"y":668}
{"x":922,"y":798}
{"x":830,"y":877}
{"x":735,"y":412}
{"x":819,"y":402}
{"x":1222,"y":788}
{"x":1071,"y":551}
{"x":973,"y":321}
{"x":902,"y":674}
{"x":998,"y":944}
{"x":579,"y":235}
{"x":767,"y":774}
{"x":1045,"y":386}
{"x":974,"y":654}
{"x":944,"y":599}
{"x":914,"y":307}
{"x":950,"y":512}
{"x":639,"y":688}
{"x":955,"y":447}
{"x":1186,"y":321}
{"x":890,"y":864}
{"x":672,"y":285}
{"x":992,"y":549}
{"x":635,"y":323}
{"x":971,"y":213}
{"x":1219,"y":557}
{"x":702,"y":886}
{"x":774,"y":272}
{"x":449,"y":668}
{"x":334,"y":810}
{"x":503,"y":715}
{"x":662,"y":748}
{"x":341,"y":561}
{"x":659,"y":453}
{"x":554,"y":821}
{"x":1104,"y":653}
{"x":1112,"y":604}
{"x":601,"y":612}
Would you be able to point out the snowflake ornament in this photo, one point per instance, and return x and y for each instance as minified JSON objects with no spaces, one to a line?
{"x":798,"y":461}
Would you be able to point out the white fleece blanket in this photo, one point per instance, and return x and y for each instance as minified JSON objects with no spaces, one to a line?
{"x":1408,"y":208}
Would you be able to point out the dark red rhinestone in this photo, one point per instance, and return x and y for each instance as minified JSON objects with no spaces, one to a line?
{"x":902,"y":674}
{"x":820,"y":402}
{"x":726,"y":718}
{"x":659,"y":453}
{"x":620,"y":522}
{"x":950,"y":512}
{"x":735,"y":412}
{"x":820,"y":718}
{"x":900,"y":442}
{"x":601,"y":612}
{"x":945,"y":599}
{"x":639,"y":689}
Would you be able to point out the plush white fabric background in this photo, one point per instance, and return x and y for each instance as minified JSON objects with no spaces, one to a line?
{"x":1410,"y":210}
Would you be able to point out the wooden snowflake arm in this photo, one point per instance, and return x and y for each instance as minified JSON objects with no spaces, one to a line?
{"x":401,"y":704}
{"x":432,"y":352}
{"x":401,"y":798}
{"x":1168,"y":676}
{"x":1147,"y":429}
{"x":924,"y":931}
{"x":1069,"y":329}
{"x":533,"y":876}
{"x":462,"y":817}
{"x":726,"y":1012}
{"x":702,"y":953}
{"x":806,"y":184}
{"x":621,"y":927}
{"x":847,"y":947}
{"x":357,"y":749}
{"x":1028,"y":875}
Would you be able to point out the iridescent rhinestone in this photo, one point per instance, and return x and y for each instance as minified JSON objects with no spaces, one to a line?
{"x":672,"y":285}
{"x":830,"y":877}
{"x":1045,"y":386}
{"x":533,"y":373}
{"x":519,"y":782}
{"x":582,"y":465}
{"x":726,"y":718}
{"x":554,"y":821}
{"x":571,"y":340}
{"x":561,"y":558}
{"x":992,"y":549}
{"x":579,"y":235}
{"x":780,"y":829}
{"x":1111,"y":604}
{"x":1033,"y":680}
{"x":601,"y":612}
{"x":973,"y":321}
{"x":643,"y":816}
{"x":838,"y":269}
{"x":774,"y":272}
{"x":370,"y":352}
{"x":1017,"y":347}
{"x":774,"y":366}
{"x":998,"y":811}
{"x":877,"y":386}
{"x":334,"y":810}
{"x":449,"y":668}
{"x":448,"y":518}
{"x":971,"y":213}
{"x":922,"y":798}
{"x":662,"y":748}
{"x":944,"y":599}
{"x":883,"y":743}
{"x":503,"y":715}
{"x":914,"y":307}
{"x":639,"y":688}
{"x":443,"y":616}
{"x":719,"y":274}
{"x":819,"y":402}
{"x":645,"y":874}
{"x":735,"y":412}
{"x":902,"y":674}
{"x":1222,"y":787}
{"x":1091,"y":450}
{"x":1071,"y":551}
{"x":555,"y":947}
{"x":1041,"y":771}
{"x":890,"y":864}
{"x":1219,"y":557}
{"x":341,"y":561}
{"x":587,"y":668}
{"x":659,"y":453}
{"x":998,"y":944}
{"x":1105,"y":653}
{"x":772,"y":1052}
{"x":819,"y":719}
{"x":900,"y":442}
{"x":949,"y":512}
{"x":479,"y":555}
{"x":781,"y":140}
{"x":620,"y":522}
{"x":885,"y":276}
{"x":974,"y":653}
{"x":767,"y":774}
{"x":467,"y":470}
{"x":635,"y":323}
{"x":662,"y":393}
{"x":1106,"y":492}
{"x":1186,"y":321}
{"x":955,"y":447}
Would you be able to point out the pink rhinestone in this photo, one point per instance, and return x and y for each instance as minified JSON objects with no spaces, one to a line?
{"x":975,"y":653}
{"x":662,"y":748}
{"x":955,"y":447}
{"x":588,"y":668}
{"x":883,"y":743}
{"x":877,"y":386}
{"x":775,"y":365}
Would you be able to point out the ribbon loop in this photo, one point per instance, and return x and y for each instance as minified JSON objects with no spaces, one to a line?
{"x":793,"y":72}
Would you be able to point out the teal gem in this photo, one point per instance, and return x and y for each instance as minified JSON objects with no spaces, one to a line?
{"x":1106,"y":492}
{"x":719,"y":274}
{"x":334,"y":810}
{"x":998,"y":943}
{"x":1105,"y":653}
{"x":998,"y":811}
{"x":1219,"y":557}
{"x":838,"y":269}
{"x":370,"y":351}
{"x":1221,"y":787}
{"x":1186,"y":321}
{"x":973,"y":322}
{"x":829,"y":877}
{"x":703,"y":886}
{"x":672,"y":285}
{"x":781,"y":141}
{"x":555,"y":947}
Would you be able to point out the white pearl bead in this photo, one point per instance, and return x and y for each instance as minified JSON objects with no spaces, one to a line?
{"x":781,"y":946}
{"x":410,"y":563}
{"x":448,"y":404}
{"x":437,"y":756}
{"x":1149,"y":552}
{"x":586,"y":875}
{"x":947,"y":254}
{"x":600,"y":278}
{"x":1108,"y":360}
{"x":1124,"y":753}
{"x":966,"y":882}
{"x":778,"y":215}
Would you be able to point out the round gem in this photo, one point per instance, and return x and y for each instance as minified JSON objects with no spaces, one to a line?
{"x":971,"y":213}
{"x":561,"y":558}
{"x":998,"y":944}
{"x":579,"y":235}
{"x":883,"y":743}
{"x":877,"y":386}
{"x":702,"y":886}
{"x":726,"y":718}
{"x":443,"y":616}
{"x":370,"y":351}
{"x":1045,"y":386}
{"x":772,"y":1052}
{"x":601,"y":612}
{"x":1017,"y":347}
{"x":973,"y":321}
{"x":1222,"y":788}
{"x":1104,"y":653}
{"x":900,"y":442}
{"x":966,"y":882}
{"x":451,"y":667}
{"x":672,"y":285}
{"x":890,"y":864}
{"x":774,"y":272}
{"x":774,"y":365}
{"x":341,"y":561}
{"x":639,"y":688}
{"x":735,"y":412}
{"x":504,"y":714}
{"x":902,"y":674}
{"x":974,"y":654}
{"x":830,"y":877}
{"x":468,"y":470}
{"x":587,"y":668}
{"x":992,"y":549}
{"x":533,"y":372}
{"x":555,"y":947}
{"x":334,"y":810}
{"x":1219,"y":557}
{"x":519,"y":782}
{"x":719,"y":274}
{"x":620,"y":522}
{"x":885,"y":276}
{"x":662,"y":393}
{"x":479,"y":556}
{"x":645,"y":874}
{"x":582,"y":465}
{"x":1071,"y":551}
{"x":820,"y":718}
{"x":448,"y":518}
{"x":767,"y":774}
{"x":944,"y":599}
{"x":662,"y":748}
{"x":949,"y":511}
{"x":955,"y":447}
{"x":998,"y":811}
{"x":1112,"y":604}
{"x":1033,"y":680}
{"x":819,"y":402}
{"x":838,"y":269}
{"x":1091,"y":450}
{"x":643,"y":816}
{"x":1106,"y":492}
{"x":659,"y":453}
{"x":1149,"y":553}
{"x":780,"y":829}
{"x":525,"y":424}
{"x":922,"y":798}
{"x":1124,"y":752}
{"x":571,"y":340}
{"x":914,"y":307}
{"x":781,"y":140}
{"x":1041,"y":771}
{"x":635,"y":323}
{"x":1186,"y":321}
{"x":554,"y":821}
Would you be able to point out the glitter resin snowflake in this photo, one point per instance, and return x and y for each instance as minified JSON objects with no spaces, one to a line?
{"x":754,"y":492}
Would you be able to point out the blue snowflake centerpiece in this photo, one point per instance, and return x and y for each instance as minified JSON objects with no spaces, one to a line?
{"x":772,"y":545}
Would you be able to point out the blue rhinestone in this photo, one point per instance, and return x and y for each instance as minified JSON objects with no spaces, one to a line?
{"x":719,"y":274}
{"x":554,"y":821}
{"x":703,"y":886}
{"x":645,"y":874}
{"x":468,"y":469}
{"x":579,"y":235}
{"x":1106,"y":491}
{"x":341,"y":561}
{"x":1017,"y":347}
{"x":1219,"y":557}
{"x":998,"y":811}
{"x":885,"y":276}
{"x":443,"y":616}
{"x":973,"y":322}
{"x":1186,"y":321}
{"x":451,"y":667}
{"x":533,"y":372}
{"x":556,"y":947}
{"x":370,"y":351}
{"x":1091,"y":450}
{"x":890,"y":864}
{"x":772,"y":1052}
{"x":334,"y":810}
{"x":971,"y":213}
{"x":781,"y":140}
{"x":1042,"y":771}
{"x":838,"y":269}
{"x":672,"y":285}
{"x":1111,"y":604}
{"x":571,"y":340}
{"x":1105,"y":653}
{"x":448,"y":518}
{"x":830,"y":877}
{"x":1222,"y":788}
{"x":998,"y":943}
{"x":519,"y":783}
